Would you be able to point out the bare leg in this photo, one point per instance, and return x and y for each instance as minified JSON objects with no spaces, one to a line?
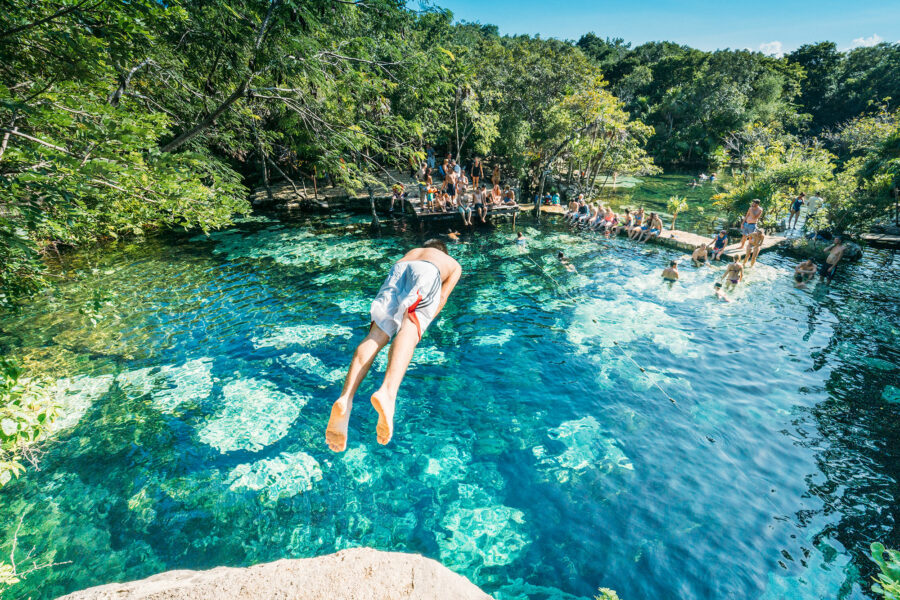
{"x":384,"y":400}
{"x":368,"y":349}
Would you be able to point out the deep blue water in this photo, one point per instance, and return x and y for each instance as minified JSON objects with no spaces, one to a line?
{"x":530,"y":454}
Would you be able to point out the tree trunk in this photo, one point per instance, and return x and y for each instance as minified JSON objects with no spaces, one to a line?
{"x":206,"y":123}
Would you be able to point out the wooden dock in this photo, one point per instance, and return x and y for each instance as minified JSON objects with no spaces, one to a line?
{"x":414,"y":209}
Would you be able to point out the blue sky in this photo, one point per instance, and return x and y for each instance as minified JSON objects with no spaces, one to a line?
{"x":769,"y":25}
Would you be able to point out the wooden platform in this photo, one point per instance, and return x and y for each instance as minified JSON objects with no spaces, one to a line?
{"x":413,"y":208}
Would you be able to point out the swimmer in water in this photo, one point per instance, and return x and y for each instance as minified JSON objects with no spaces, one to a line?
{"x":670,"y":273}
{"x":453,"y":235}
{"x":520,"y":239}
{"x":565,"y":261}
{"x":734,"y":272}
{"x":412,"y":296}
{"x":720,"y":294}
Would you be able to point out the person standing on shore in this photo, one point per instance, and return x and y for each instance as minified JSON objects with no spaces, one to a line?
{"x":795,"y":210}
{"x":477,"y":172}
{"x":495,"y":176}
{"x":413,"y":294}
{"x":754,"y":213}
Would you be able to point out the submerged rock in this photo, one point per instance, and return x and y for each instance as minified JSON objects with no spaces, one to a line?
{"x":803,"y":248}
{"x":358,"y":573}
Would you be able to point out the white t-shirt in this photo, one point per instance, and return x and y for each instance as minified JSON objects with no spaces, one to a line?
{"x":812,"y":203}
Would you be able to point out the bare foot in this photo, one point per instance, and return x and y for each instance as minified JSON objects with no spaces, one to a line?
{"x":336,"y":432}
{"x":384,"y":405}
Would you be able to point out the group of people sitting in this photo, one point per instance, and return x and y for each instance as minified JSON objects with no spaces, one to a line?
{"x":455,"y":194}
{"x":596,"y":216}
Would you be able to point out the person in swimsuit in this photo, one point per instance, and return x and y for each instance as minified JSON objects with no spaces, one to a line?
{"x":412,"y":296}
{"x":465,"y":209}
{"x":422,"y":183}
{"x":520,"y":239}
{"x":496,"y":195}
{"x":755,"y":240}
{"x":477,"y":170}
{"x":670,"y":273}
{"x":804,"y":272}
{"x":835,"y":254}
{"x":480,"y":200}
{"x":565,"y":261}
{"x":509,"y":196}
{"x":719,"y":244}
{"x":637,"y":227}
{"x":495,"y":176}
{"x":754,"y":213}
{"x":719,"y":293}
{"x":450,"y":183}
{"x":733,"y":274}
{"x":795,"y":210}
{"x":700,"y":255}
{"x":623,"y":224}
{"x":652,"y":229}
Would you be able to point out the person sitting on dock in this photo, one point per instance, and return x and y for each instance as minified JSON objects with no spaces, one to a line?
{"x":638,"y":224}
{"x":733,"y":274}
{"x":496,"y":197}
{"x":835,"y":254}
{"x":719,"y":244}
{"x":465,"y":209}
{"x":509,"y":197}
{"x":652,"y":229}
{"x":624,"y":223}
{"x":480,"y":198}
{"x":804,"y":272}
{"x":397,"y":195}
{"x":755,"y":241}
{"x":670,"y":273}
{"x":754,"y":213}
{"x":609,"y":220}
{"x":700,"y":255}
{"x":412,"y":296}
{"x":555,"y":199}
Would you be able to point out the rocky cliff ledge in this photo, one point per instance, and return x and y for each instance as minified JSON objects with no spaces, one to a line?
{"x":357,"y":574}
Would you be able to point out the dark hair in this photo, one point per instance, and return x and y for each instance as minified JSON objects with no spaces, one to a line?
{"x":560,"y":254}
{"x":673,"y":263}
{"x":798,"y":277}
{"x":718,"y":285}
{"x":437,"y":245}
{"x":520,"y":234}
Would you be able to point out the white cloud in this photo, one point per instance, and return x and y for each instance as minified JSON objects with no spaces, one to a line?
{"x":866,"y":41}
{"x":772,"y":49}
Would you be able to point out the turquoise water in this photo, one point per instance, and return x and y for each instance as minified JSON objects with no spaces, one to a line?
{"x":530,"y":453}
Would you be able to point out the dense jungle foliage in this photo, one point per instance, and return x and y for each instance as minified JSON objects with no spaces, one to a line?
{"x":122,"y":117}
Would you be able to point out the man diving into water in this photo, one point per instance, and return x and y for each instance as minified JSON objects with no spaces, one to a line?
{"x":415,"y":291}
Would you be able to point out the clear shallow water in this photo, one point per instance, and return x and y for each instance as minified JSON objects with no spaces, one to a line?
{"x":530,"y":453}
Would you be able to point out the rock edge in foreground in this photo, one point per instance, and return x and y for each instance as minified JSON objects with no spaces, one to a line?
{"x":358,"y":574}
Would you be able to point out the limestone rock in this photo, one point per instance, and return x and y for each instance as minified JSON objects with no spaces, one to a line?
{"x":354,"y":574}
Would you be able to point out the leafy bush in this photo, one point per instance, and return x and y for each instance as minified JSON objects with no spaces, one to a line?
{"x":888,"y":581}
{"x":26,"y":414}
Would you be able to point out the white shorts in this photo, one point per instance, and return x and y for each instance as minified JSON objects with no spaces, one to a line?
{"x":412,"y":287}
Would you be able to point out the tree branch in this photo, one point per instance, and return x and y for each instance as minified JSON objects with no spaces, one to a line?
{"x":61,"y":12}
